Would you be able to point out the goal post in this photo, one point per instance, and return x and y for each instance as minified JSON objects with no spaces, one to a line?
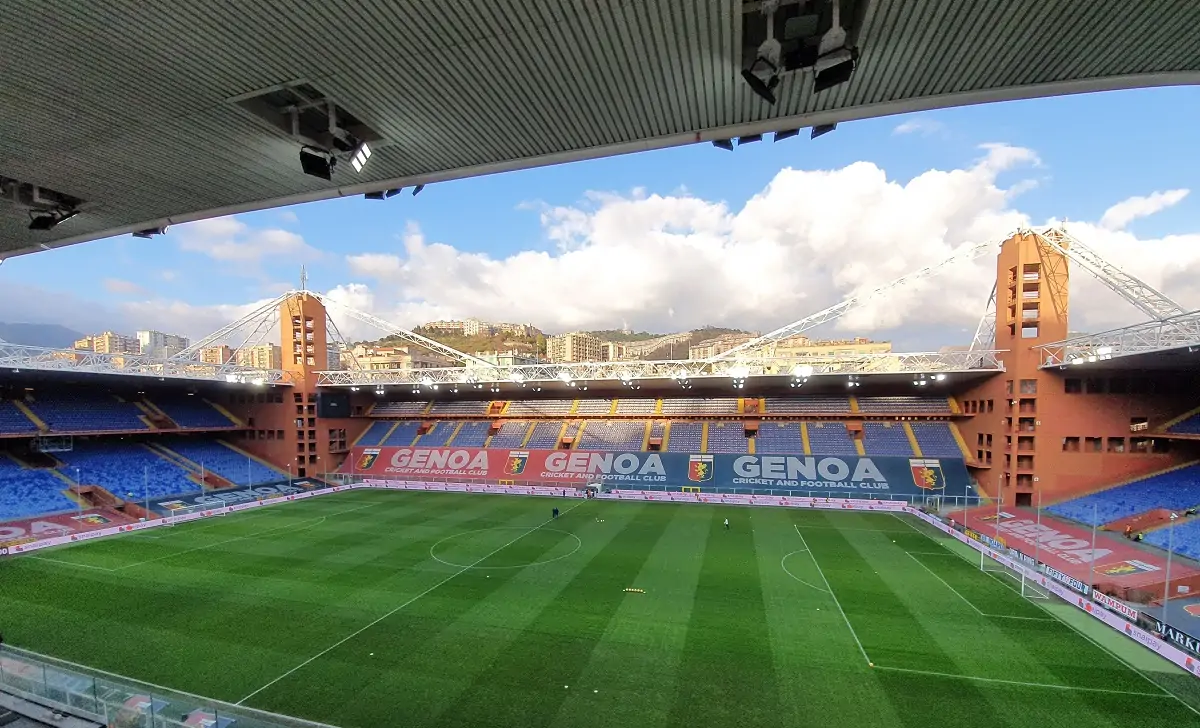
{"x":185,"y":513}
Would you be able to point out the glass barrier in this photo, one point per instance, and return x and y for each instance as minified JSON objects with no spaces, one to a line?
{"x":123,"y":702}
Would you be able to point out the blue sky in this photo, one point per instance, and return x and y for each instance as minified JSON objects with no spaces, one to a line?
{"x":1091,"y":152}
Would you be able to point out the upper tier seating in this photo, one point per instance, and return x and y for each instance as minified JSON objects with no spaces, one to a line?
{"x":471,"y":434}
{"x":191,"y":412}
{"x":830,"y":438}
{"x":375,"y":433}
{"x":903,"y":405}
{"x":779,"y":438}
{"x":403,"y":436}
{"x":460,"y":408}
{"x":86,"y":412}
{"x":594,"y":407}
{"x":216,"y":457}
{"x":1185,"y":540}
{"x":808,"y":405}
{"x":13,"y":420}
{"x":727,"y":437}
{"x":545,"y":436}
{"x":510,"y":436}
{"x":689,"y":406}
{"x":937,"y":439}
{"x":1177,"y":490}
{"x":886,"y":439}
{"x":542,"y":407}
{"x":685,"y":437}
{"x":1189,"y":426}
{"x":642,"y":406}
{"x":25,"y":493}
{"x":439,"y":435}
{"x":399,"y":409}
{"x":613,"y":435}
{"x":127,"y":469}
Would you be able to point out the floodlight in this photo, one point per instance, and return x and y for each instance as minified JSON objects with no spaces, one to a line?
{"x":43,"y":221}
{"x":416,"y":190}
{"x":374,"y":196}
{"x":821,"y":130}
{"x":749,"y":139}
{"x":939,"y":377}
{"x":803,"y":371}
{"x":739,"y":372}
{"x":768,"y":55}
{"x":150,"y":232}
{"x":1104,"y":350}
{"x":317,"y":162}
{"x":427,"y":381}
{"x":564,"y":375}
{"x":833,"y":69}
{"x":786,"y":134}
{"x":361,"y":155}
{"x":384,"y":194}
{"x":726,"y":144}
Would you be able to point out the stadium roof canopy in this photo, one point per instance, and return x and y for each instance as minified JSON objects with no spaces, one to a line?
{"x":140,"y":115}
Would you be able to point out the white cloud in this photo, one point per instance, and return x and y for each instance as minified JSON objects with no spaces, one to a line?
{"x":229,"y":240}
{"x":1126,"y":211}
{"x":122,"y":287}
{"x":808,"y":240}
{"x":288,"y":216}
{"x":919,"y":125}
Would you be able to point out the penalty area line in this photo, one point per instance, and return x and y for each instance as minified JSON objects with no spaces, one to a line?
{"x":1021,"y":683}
{"x":829,"y":588}
{"x":359,"y":631}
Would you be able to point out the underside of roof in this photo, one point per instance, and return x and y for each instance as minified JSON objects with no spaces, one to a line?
{"x":143,"y":114}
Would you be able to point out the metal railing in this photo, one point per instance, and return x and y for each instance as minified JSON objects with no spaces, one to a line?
{"x":122,"y":702}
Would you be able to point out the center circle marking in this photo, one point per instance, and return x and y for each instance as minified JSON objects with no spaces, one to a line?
{"x":435,"y":557}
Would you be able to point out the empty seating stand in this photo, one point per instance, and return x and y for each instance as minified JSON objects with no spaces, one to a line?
{"x":399,"y":409}
{"x":87,"y":412}
{"x":1175,"y":490}
{"x":903,"y":405}
{"x":1188,"y":426}
{"x":593,"y":407}
{"x":727,"y":437}
{"x":1185,"y":540}
{"x":13,"y":421}
{"x":779,"y":438}
{"x":937,"y":439}
{"x":191,"y":412}
{"x":402,"y":435}
{"x":439,"y":435}
{"x":471,"y":434}
{"x":127,"y":470}
{"x":830,"y":438}
{"x":510,"y":436}
{"x":886,"y":439}
{"x":374,"y":435}
{"x":473,"y":408}
{"x":812,"y":405}
{"x":545,"y":435}
{"x":685,"y":437}
{"x":540,"y":408}
{"x":694,"y":406}
{"x":25,"y":492}
{"x":216,"y":457}
{"x":613,"y":435}
{"x":643,"y":406}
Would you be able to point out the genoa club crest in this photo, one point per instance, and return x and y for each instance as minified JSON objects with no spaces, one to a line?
{"x":927,"y":474}
{"x":367,"y":459}
{"x":700,"y":468}
{"x":515,"y":464}
{"x":1127,"y":568}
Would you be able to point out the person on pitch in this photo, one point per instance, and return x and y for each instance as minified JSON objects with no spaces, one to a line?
{"x":726,"y":524}
{"x":556,"y":511}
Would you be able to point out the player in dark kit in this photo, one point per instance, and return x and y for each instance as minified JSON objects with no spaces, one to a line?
{"x":556,"y":511}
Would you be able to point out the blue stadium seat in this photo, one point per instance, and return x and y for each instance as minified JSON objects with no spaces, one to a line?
{"x":685,"y":437}
{"x":541,"y":407}
{"x":1177,"y":490}
{"x":937,"y":440}
{"x":13,"y":420}
{"x":1189,"y":426}
{"x":779,"y":438}
{"x":471,"y":434}
{"x":613,"y":435}
{"x":438,"y":435}
{"x":545,"y":436}
{"x":25,"y":493}
{"x":689,"y":406}
{"x":903,"y":405}
{"x":830,"y":438}
{"x":122,"y":468}
{"x":886,"y":439}
{"x":191,"y":412}
{"x":86,"y":412}
{"x":808,"y":405}
{"x":399,"y":409}
{"x":403,"y":435}
{"x":1185,"y":540}
{"x":375,"y":433}
{"x":465,"y":407}
{"x":727,"y":437}
{"x":216,"y":457}
{"x":510,"y":436}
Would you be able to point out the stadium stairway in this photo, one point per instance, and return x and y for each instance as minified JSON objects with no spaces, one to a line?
{"x":41,"y":424}
{"x":155,"y":418}
{"x":1187,"y":423}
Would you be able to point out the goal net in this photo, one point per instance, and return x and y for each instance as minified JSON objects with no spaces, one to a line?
{"x":1029,"y":587}
{"x":177,"y":514}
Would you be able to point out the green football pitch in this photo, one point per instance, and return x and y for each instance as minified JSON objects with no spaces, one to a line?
{"x":382,"y":608}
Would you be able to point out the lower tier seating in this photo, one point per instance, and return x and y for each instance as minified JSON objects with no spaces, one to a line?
{"x":126,"y":469}
{"x":25,"y":492}
{"x":1185,"y":540}
{"x":1176,"y":490}
{"x":216,"y":457}
{"x":613,"y":436}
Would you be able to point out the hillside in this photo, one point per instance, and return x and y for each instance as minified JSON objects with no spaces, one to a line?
{"x":51,"y":336}
{"x":501,"y":341}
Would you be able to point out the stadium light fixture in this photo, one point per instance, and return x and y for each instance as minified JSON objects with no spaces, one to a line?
{"x":821,"y":130}
{"x":317,"y":162}
{"x":151,"y":232}
{"x":785,"y":134}
{"x":417,"y":190}
{"x":835,"y":62}
{"x":50,"y":219}
{"x":803,"y":371}
{"x":749,"y":139}
{"x":726,"y":144}
{"x":361,"y":155}
{"x":767,"y":57}
{"x":384,"y":194}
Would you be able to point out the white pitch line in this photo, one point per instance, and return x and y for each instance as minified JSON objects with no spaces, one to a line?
{"x":359,"y":631}
{"x":1065,"y":623}
{"x":1021,"y":683}
{"x":783,"y":566}
{"x":68,"y":563}
{"x":829,"y":587}
{"x":971,"y":604}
